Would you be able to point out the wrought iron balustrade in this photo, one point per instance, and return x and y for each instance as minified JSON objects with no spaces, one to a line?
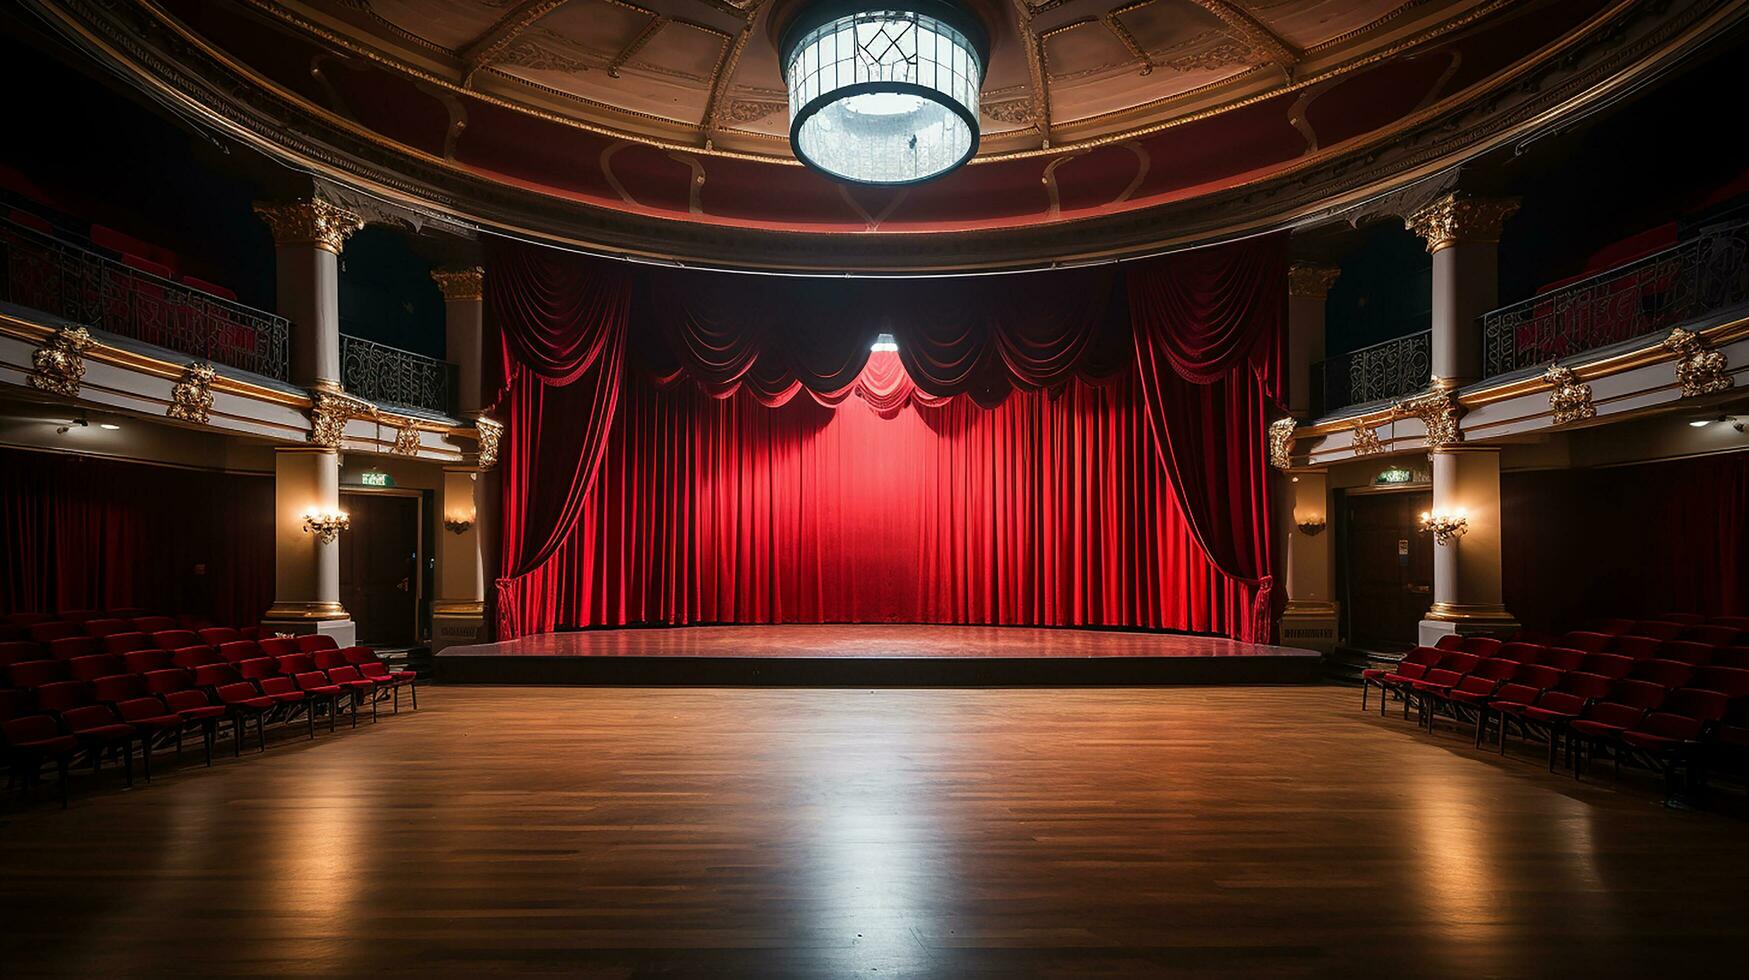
{"x":1395,"y":368}
{"x":1666,"y":289}
{"x":47,"y":273}
{"x":392,"y":376}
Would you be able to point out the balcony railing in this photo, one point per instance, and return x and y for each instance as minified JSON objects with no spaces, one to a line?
{"x":75,"y":283}
{"x":392,"y":376}
{"x":1663,"y":290}
{"x":1395,"y":368}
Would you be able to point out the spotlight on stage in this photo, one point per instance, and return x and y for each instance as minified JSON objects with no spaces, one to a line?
{"x":885,"y":342}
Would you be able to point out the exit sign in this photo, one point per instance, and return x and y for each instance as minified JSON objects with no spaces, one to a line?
{"x":372,"y":478}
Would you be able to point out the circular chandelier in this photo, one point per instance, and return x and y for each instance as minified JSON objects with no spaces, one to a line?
{"x":884,"y":93}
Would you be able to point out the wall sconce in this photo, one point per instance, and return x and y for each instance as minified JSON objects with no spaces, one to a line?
{"x":326,"y":525}
{"x":1445,"y":526}
{"x":1311,"y":526}
{"x":458,"y":525}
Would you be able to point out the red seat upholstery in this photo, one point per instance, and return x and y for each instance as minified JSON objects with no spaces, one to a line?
{"x":363,"y":689}
{"x":1732,"y":682}
{"x":245,"y":703}
{"x":153,"y":624}
{"x":172,"y":639}
{"x":105,"y":627}
{"x":1450,"y":642}
{"x":276,"y":646}
{"x":1563,"y":658}
{"x":1714,"y":635}
{"x":1658,"y":629}
{"x":1670,"y":674}
{"x":319,"y":689}
{"x":365,"y":659}
{"x":217,"y":636}
{"x":1520,"y":653}
{"x":215,"y":675}
{"x":1565,"y":700}
{"x":152,"y":722}
{"x":58,"y":696}
{"x":1678,"y":724}
{"x":328,"y":659}
{"x":68,"y":647}
{"x":124,"y":642}
{"x":1588,"y":642}
{"x":198,"y":655}
{"x":292,"y":664}
{"x":118,"y":687}
{"x":13,"y":651}
{"x":1608,"y":665}
{"x":1681,"y":619}
{"x":1691,"y":652}
{"x":258,"y":668}
{"x":99,"y":729}
{"x":312,"y":642}
{"x":1614,"y":627}
{"x":142,"y":661}
{"x":1734,"y":622}
{"x":237,"y":651}
{"x":53,"y":630}
{"x":35,"y":673}
{"x":95,"y":666}
{"x":1737,"y":656}
{"x":1638,"y":647}
{"x":128,"y":613}
{"x":1481,"y":646}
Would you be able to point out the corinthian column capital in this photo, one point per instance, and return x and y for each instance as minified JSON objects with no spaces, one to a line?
{"x":1453,"y":219}
{"x":461,"y":284}
{"x":309,"y":222}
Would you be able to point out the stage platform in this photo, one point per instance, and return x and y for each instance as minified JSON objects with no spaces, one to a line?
{"x":874,"y":655}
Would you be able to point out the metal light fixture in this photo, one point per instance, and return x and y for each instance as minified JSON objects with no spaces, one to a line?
{"x":458,"y":524}
{"x":1311,"y":526}
{"x":884,"y":93}
{"x":326,"y":525}
{"x":1445,"y":527}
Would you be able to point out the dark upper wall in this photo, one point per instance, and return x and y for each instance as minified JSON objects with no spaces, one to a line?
{"x":1385,"y":291}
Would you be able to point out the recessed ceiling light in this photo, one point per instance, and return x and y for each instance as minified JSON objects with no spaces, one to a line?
{"x":111,"y":426}
{"x":1701,"y":423}
{"x":884,"y":342}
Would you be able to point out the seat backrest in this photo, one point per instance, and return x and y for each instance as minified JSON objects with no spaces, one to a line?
{"x":68,"y":647}
{"x":1697,"y":704}
{"x":152,"y":624}
{"x":193,"y":621}
{"x":311,"y":642}
{"x":215,"y":675}
{"x":1638,"y":647}
{"x":118,"y":687}
{"x":141,"y":661}
{"x":123,"y":642}
{"x":129,"y":613}
{"x":28,"y":618}
{"x":360,"y":656}
{"x":12,"y":651}
{"x":239,"y":691}
{"x":1734,"y":622}
{"x":310,"y":680}
{"x":1713,"y":635}
{"x":276,"y":685}
{"x":1670,"y":726}
{"x":95,"y":666}
{"x":1461,"y":663}
{"x":58,"y":696}
{"x":1496,"y":669}
{"x":105,"y":627}
{"x":175,"y":639}
{"x":345,"y":675}
{"x":29,"y":728}
{"x":217,"y":635}
{"x":1425,"y":656}
{"x":186,"y":698}
{"x":1690,"y":652}
{"x":1732,"y":682}
{"x":1613,"y":713}
{"x":1639,"y":694}
{"x":1587,"y":641}
{"x":36,"y":673}
{"x":1737,"y":656}
{"x":237,"y":651}
{"x":1658,"y":629}
{"x":53,"y":629}
{"x":276,"y":646}
{"x":1520,"y":652}
{"x":1584,"y":685}
{"x":1614,"y":627}
{"x":77,"y":615}
{"x":135,"y":709}
{"x":1607,"y":664}
{"x":167,"y":681}
{"x":1669,"y":673}
{"x":329,"y":659}
{"x":258,"y":668}
{"x":1481,"y":646}
{"x":1681,"y":619}
{"x":1538,"y":676}
{"x":1450,"y":641}
{"x":198,"y":655}
{"x":296,"y":663}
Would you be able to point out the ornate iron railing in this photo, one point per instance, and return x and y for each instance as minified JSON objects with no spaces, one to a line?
{"x":392,"y":376}
{"x":75,"y":283}
{"x":1395,"y":368}
{"x":1663,"y":290}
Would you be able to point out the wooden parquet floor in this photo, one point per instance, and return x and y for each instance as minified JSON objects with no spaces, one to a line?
{"x":913,"y":833}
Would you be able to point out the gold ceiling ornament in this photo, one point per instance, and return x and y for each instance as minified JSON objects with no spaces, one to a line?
{"x":58,"y":366}
{"x":490,"y":431}
{"x":1453,"y":218}
{"x":1438,"y":411}
{"x":1281,"y":442}
{"x":1365,"y":441}
{"x":311,"y":221}
{"x":406,"y":436}
{"x":1311,"y":279}
{"x":330,"y":410}
{"x":191,"y":399}
{"x":461,"y":284}
{"x":1699,"y":370}
{"x":1569,"y":399}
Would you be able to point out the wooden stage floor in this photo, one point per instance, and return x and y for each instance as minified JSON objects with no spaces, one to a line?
{"x":873,"y":833}
{"x":874,"y":654}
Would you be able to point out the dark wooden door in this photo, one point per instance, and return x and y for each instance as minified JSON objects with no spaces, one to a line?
{"x":1388,"y":569}
{"x":379,"y":567}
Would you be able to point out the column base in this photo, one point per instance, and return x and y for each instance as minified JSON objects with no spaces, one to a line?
{"x":1309,"y":626}
{"x":457,"y":624}
{"x":343,"y":630}
{"x":1447,"y":618}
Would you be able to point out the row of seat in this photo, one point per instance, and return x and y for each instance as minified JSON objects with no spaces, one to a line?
{"x":1661,"y":713}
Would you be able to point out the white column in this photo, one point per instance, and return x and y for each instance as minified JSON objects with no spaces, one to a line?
{"x":463,"y":318}
{"x":308,"y":236}
{"x":306,"y":579}
{"x":1467,"y":594}
{"x":1310,"y":618}
{"x":459,"y":612}
{"x":1463,"y":233}
{"x":1308,"y":287}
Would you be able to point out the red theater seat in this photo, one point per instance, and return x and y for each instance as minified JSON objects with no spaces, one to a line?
{"x":213,"y":675}
{"x":198,"y":655}
{"x":69,"y":647}
{"x":237,"y":651}
{"x":365,"y":659}
{"x":105,"y":627}
{"x":1712,"y":636}
{"x":58,"y":696}
{"x":153,"y":723}
{"x":29,"y":674}
{"x":217,"y":636}
{"x":1676,"y":726}
{"x":1607,"y":665}
{"x":320,"y":690}
{"x":1588,"y":642}
{"x":33,"y":739}
{"x":1412,"y":667}
{"x":1658,"y":629}
{"x":1670,"y":674}
{"x":124,"y":642}
{"x":99,"y":730}
{"x":312,"y":642}
{"x":362,"y":689}
{"x":1563,"y":658}
{"x":173,"y":639}
{"x":154,"y":624}
{"x":13,"y":651}
{"x":143,"y":661}
{"x":1520,"y":653}
{"x":258,"y":668}
{"x":1690,"y":652}
{"x":95,"y":666}
{"x":1737,"y":656}
{"x":1732,"y":682}
{"x":53,"y":630}
{"x":245,"y":704}
{"x":1638,"y":647}
{"x":276,"y":646}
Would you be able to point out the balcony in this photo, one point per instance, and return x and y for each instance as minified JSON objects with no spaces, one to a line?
{"x":1666,"y":289}
{"x":394,"y":377}
{"x":1395,"y":368}
{"x":43,"y":272}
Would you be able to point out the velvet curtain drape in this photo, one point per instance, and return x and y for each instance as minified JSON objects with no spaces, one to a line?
{"x":1198,"y":334}
{"x":81,"y":532}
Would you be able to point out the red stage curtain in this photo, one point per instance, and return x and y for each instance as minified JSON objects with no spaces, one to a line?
{"x":561,"y":321}
{"x":79,"y":532}
{"x":1208,"y":326}
{"x":1049,"y":509}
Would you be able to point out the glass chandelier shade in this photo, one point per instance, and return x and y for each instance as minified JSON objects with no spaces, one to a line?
{"x":884,"y":93}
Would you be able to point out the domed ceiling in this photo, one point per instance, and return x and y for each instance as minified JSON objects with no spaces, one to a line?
{"x":658,"y":128}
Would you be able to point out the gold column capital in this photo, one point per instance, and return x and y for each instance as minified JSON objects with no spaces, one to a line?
{"x":1453,"y":219}
{"x":1311,"y":279}
{"x":459,"y":285}
{"x":311,"y":221}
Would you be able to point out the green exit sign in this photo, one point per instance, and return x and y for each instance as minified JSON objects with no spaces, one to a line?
{"x":372,"y":478}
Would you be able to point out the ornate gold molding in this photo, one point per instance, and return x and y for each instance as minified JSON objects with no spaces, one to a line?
{"x":1281,"y":442}
{"x":1309,"y":279}
{"x":1365,"y":441}
{"x":311,"y":221}
{"x":406,"y":436}
{"x":1699,"y":369}
{"x":461,"y":284}
{"x":1569,"y":398}
{"x":1453,"y":219}
{"x":305,"y":610}
{"x":329,"y":413}
{"x":191,"y":399}
{"x":58,"y":366}
{"x":489,"y":431}
{"x":1437,"y":410}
